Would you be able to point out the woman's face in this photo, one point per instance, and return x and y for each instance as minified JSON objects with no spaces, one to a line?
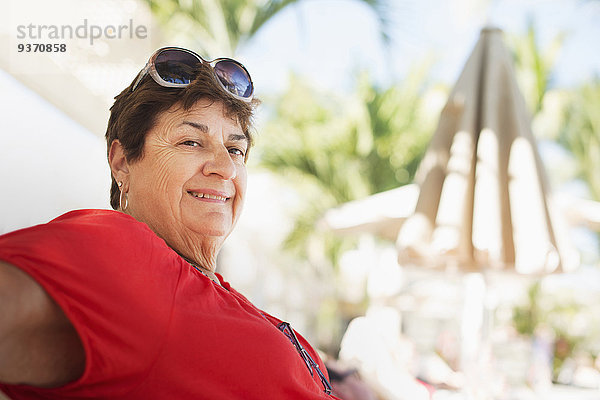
{"x":189,"y":185}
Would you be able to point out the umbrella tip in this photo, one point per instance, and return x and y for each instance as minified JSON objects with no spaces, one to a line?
{"x":490,"y":28}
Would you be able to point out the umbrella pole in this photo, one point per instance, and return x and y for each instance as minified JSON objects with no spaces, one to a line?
{"x":475,"y":356}
{"x":472,"y":318}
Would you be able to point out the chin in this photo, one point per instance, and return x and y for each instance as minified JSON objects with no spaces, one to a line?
{"x":210,"y":228}
{"x":209,"y":224}
{"x":216,"y":232}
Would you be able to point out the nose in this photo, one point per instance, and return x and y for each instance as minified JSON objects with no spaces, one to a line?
{"x":220,"y":164}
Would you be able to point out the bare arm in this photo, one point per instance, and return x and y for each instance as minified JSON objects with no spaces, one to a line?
{"x":38,"y":344}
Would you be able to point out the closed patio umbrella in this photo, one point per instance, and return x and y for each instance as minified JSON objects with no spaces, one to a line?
{"x":483,"y":200}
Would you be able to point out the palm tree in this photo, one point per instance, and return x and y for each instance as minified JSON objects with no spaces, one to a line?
{"x":336,"y":150}
{"x":332,"y":150}
{"x":581,"y":134}
{"x":580,"y":131}
{"x":222,"y":26}
{"x":534,"y":65}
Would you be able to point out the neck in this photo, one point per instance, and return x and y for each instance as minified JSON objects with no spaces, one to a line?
{"x":207,"y":272}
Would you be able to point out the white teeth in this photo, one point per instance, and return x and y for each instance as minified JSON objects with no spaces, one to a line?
{"x":208,"y":196}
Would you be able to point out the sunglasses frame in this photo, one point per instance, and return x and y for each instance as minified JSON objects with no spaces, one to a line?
{"x":150,"y":69}
{"x":287,"y":330}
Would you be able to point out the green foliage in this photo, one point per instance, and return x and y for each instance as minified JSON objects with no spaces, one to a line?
{"x":527,"y":317}
{"x":217,"y":27}
{"x":534,"y":65}
{"x":581,"y":134}
{"x":571,"y":315}
{"x":334,"y":150}
{"x":580,"y":131}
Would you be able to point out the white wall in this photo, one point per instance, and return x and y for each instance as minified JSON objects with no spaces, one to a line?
{"x":48,"y":163}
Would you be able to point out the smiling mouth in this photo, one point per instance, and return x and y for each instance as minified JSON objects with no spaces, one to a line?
{"x":208,"y":196}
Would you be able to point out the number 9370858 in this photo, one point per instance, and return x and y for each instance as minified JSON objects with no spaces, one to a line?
{"x":41,"y":47}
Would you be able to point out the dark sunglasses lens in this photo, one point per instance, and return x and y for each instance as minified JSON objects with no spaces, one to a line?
{"x":176,"y":66}
{"x":234,"y":77}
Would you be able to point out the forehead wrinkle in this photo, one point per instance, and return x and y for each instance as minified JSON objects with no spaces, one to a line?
{"x":162,"y":132}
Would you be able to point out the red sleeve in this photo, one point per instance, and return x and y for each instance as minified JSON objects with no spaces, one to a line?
{"x":116,"y":282}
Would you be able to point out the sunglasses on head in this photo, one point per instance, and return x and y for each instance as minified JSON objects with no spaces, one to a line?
{"x":176,"y":67}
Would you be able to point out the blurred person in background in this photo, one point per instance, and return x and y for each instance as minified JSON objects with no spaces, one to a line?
{"x":347,"y":383}
{"x":126,"y":304}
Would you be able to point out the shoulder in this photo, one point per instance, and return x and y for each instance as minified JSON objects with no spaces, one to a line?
{"x":82,"y":221}
{"x":98,"y":247}
{"x":88,"y":231}
{"x":99,"y":221}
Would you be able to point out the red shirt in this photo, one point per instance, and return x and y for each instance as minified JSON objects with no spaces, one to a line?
{"x":151,"y":325}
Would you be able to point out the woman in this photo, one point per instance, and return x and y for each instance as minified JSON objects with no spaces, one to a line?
{"x":126,"y":304}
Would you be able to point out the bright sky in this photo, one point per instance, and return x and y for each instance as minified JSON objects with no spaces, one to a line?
{"x":330,"y":39}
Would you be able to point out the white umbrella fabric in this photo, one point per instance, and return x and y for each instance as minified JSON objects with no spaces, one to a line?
{"x":483,"y":200}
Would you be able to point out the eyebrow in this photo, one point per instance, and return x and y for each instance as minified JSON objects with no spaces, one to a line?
{"x":237,"y":138}
{"x":203,"y":128}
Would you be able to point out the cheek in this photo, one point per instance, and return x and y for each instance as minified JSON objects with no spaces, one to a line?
{"x":240,"y":188}
{"x":167,"y":177}
{"x":161,"y":178}
{"x":242,"y":178}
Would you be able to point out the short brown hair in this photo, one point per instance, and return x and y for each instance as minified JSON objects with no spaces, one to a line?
{"x":134,"y":114}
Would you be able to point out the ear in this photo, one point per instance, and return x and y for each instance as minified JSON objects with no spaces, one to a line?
{"x":119,"y":165}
